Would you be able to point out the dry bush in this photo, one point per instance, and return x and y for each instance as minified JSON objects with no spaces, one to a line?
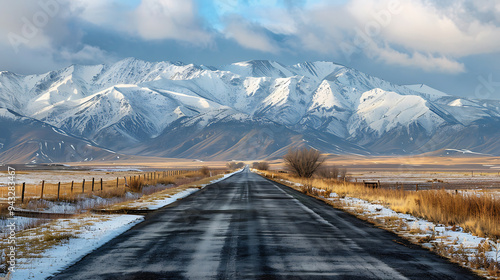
{"x":331,"y":172}
{"x":263,"y":165}
{"x":235,"y":165}
{"x":205,"y":171}
{"x":304,"y":162}
{"x":136,"y":184}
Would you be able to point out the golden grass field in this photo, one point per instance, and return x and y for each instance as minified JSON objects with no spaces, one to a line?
{"x":478,"y":214}
{"x":352,"y":162}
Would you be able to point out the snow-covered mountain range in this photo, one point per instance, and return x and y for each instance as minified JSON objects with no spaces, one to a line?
{"x":246,"y":110}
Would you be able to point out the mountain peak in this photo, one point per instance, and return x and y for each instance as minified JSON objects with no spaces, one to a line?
{"x":132,"y":102}
{"x":423,"y":88}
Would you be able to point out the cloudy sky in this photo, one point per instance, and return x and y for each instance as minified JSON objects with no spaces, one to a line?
{"x":452,"y":45}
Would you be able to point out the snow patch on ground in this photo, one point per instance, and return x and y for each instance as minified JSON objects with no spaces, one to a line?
{"x":87,"y":240}
{"x":89,"y":237}
{"x":413,"y":228}
{"x":117,"y":169}
{"x":418,"y":228}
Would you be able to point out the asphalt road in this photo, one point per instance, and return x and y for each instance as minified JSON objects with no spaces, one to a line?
{"x":247,"y":227}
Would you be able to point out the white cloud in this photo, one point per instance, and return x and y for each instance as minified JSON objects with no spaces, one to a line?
{"x":429,"y":34}
{"x":249,"y":36}
{"x":426,"y":62}
{"x":169,"y":19}
{"x":150,"y":20}
{"x":417,"y":33}
{"x":425,"y":28}
{"x":85,"y":55}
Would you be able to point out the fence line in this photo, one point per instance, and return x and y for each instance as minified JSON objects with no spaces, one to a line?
{"x":63,"y":190}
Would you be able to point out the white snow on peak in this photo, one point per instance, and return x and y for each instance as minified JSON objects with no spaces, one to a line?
{"x":460,"y":103}
{"x":383,"y":111}
{"x":422,"y":88}
{"x":140,"y":98}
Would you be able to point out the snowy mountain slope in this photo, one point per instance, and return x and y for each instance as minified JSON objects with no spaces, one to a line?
{"x":430,"y":93}
{"x":124,"y":105}
{"x":25,"y":140}
{"x":227,"y":134}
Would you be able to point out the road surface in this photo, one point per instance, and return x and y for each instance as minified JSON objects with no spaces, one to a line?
{"x":247,"y":227}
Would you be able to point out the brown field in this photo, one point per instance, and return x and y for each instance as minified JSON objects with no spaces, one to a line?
{"x":428,"y":172}
{"x":478,"y":214}
{"x":68,"y":184}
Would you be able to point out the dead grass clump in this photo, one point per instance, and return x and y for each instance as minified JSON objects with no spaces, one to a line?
{"x":110,"y":193}
{"x":205,"y":171}
{"x":57,"y":237}
{"x":136,"y":184}
{"x":166,"y":180}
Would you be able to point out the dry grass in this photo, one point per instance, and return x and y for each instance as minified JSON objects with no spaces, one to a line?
{"x":189,"y":183}
{"x":31,"y":243}
{"x":478,"y":214}
{"x":130,"y":189}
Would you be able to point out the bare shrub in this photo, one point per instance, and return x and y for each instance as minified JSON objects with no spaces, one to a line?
{"x":328,"y":172}
{"x":304,"y":162}
{"x":205,"y":171}
{"x":136,"y":184}
{"x":263,"y":165}
{"x":233,"y":165}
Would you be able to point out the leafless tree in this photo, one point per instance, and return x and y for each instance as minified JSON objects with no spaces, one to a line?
{"x":263,"y":165}
{"x":304,"y":162}
{"x":205,"y":171}
{"x":328,"y":172}
{"x":233,"y":165}
{"x":332,"y":172}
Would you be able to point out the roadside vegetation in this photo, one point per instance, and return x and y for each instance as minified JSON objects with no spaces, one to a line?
{"x":303,"y":162}
{"x":37,"y":235}
{"x":134,"y":188}
{"x":476,"y":214}
{"x":262,"y":165}
{"x":232,"y":165}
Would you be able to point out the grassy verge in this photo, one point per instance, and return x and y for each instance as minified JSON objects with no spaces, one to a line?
{"x":476,"y":214}
{"x":32,"y":241}
{"x":161,"y":195}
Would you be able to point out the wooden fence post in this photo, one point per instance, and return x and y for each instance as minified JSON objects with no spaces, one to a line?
{"x":83,"y":186}
{"x":72,"y":182}
{"x":22,"y":193}
{"x":92,"y":184}
{"x":117,"y":182}
{"x":43,"y":185}
{"x":58,"y":190}
{"x":101,"y":184}
{"x":416,"y":187}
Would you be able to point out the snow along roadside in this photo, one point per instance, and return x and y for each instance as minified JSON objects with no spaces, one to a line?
{"x":162,"y":201}
{"x":98,"y":230}
{"x":448,"y":241}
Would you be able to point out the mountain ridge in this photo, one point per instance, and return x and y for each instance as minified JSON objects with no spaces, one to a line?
{"x":130,"y":105}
